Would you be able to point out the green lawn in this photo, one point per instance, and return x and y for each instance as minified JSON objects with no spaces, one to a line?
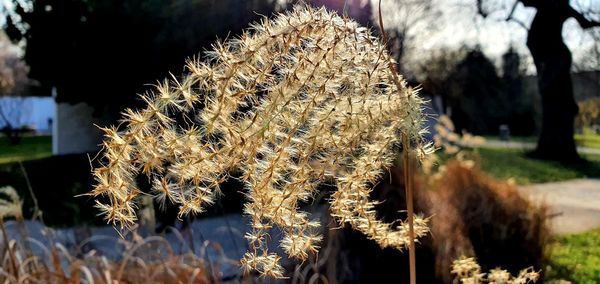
{"x":30,"y":148}
{"x":512,"y":163}
{"x":575,"y":258}
{"x":588,"y":139}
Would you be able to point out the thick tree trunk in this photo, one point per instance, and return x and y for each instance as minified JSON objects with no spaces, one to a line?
{"x":559,"y":108}
{"x":553,"y":63}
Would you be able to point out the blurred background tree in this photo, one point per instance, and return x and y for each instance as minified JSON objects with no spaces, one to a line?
{"x":13,"y":83}
{"x":479,"y":96}
{"x":103,"y":52}
{"x":553,"y":60}
{"x":589,"y":114}
{"x":476,"y":97}
{"x":404,"y":21}
{"x":521,"y":111}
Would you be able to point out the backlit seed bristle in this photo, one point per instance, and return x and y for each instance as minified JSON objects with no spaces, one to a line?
{"x":297,"y":100}
{"x":10,"y":203}
{"x":468,"y":271}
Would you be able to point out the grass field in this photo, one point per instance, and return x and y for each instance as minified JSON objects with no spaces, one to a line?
{"x":30,"y":148}
{"x":575,"y":258}
{"x":588,"y":139}
{"x":512,"y":163}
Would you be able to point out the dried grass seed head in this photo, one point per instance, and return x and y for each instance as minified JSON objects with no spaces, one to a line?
{"x":467,"y":270}
{"x":296,"y":100}
{"x":10,"y":203}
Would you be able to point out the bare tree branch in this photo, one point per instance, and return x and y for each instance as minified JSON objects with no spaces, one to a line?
{"x":480,"y":9}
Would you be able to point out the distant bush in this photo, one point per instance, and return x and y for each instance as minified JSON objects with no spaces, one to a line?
{"x":589,"y":113}
{"x":480,"y":100}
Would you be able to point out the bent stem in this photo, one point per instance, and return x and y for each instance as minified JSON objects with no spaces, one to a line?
{"x":409,"y":205}
{"x":37,"y":213}
{"x":407,"y":169}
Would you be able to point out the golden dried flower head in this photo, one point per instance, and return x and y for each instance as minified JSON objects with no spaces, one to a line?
{"x":297,"y":100}
{"x":10,"y":203}
{"x":452,"y":142}
{"x":467,"y":270}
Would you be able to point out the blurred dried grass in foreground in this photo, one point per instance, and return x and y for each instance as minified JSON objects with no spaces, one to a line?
{"x":145,"y":260}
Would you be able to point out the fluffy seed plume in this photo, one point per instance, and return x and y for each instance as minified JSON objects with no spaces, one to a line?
{"x":468,"y":271}
{"x":297,"y":100}
{"x":10,"y":203}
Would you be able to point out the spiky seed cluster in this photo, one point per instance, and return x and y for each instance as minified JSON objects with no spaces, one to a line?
{"x":297,"y":100}
{"x":452,"y":142}
{"x":468,"y":271}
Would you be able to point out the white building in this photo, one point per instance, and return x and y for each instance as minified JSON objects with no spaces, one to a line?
{"x":37,"y":113}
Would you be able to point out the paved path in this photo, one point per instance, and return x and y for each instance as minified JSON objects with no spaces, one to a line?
{"x":575,"y":204}
{"x":531,"y":146}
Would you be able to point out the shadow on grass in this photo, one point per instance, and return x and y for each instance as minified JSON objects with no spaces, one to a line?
{"x":588,"y":167}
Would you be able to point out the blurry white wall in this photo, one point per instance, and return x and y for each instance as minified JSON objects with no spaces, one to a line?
{"x":75,"y":129}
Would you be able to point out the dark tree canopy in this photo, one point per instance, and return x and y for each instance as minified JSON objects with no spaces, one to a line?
{"x":480,"y":99}
{"x":476,"y":97}
{"x":521,"y":114}
{"x":104,"y":52}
